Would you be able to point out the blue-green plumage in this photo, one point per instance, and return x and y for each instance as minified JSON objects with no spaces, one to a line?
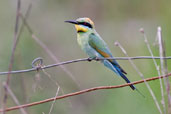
{"x":94,"y":46}
{"x":96,"y":43}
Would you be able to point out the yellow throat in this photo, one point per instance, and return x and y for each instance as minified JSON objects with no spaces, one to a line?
{"x":80,"y":28}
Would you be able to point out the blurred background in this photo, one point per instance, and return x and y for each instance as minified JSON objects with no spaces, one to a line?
{"x":115,"y":20}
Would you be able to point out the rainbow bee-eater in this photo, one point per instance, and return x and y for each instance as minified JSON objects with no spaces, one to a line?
{"x":95,"y":47}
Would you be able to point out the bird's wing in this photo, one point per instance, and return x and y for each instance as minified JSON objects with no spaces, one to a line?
{"x":101,"y":47}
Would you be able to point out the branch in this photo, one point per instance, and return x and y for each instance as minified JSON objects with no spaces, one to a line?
{"x":157,"y":68}
{"x":82,"y":92}
{"x":10,"y":66}
{"x":162,"y":67}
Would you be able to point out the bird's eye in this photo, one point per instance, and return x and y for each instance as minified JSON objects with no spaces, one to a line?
{"x":85,"y":24}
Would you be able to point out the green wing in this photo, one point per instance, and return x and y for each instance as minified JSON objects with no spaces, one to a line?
{"x":99,"y":45}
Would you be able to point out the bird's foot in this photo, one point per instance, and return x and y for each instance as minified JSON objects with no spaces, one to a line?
{"x":97,"y":59}
{"x":94,"y":58}
{"x":90,"y":59}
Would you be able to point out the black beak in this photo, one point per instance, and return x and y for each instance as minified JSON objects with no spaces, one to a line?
{"x":73,"y":22}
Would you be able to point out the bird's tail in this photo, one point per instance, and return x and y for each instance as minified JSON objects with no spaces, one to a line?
{"x":132,"y":86}
{"x":118,"y":70}
{"x":126,"y":79}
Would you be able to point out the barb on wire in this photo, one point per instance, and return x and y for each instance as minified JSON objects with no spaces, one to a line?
{"x":77,"y":60}
{"x":82,"y":92}
{"x":46,"y":49}
{"x":37,"y":63}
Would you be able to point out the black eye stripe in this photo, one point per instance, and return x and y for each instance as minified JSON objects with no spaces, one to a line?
{"x":85,"y":24}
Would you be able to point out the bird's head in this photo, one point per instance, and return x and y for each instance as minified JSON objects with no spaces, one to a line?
{"x":82,"y":25}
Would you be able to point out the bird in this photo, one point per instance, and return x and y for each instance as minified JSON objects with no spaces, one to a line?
{"x":95,"y":47}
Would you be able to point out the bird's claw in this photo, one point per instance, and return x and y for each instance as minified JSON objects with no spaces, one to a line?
{"x":89,"y":59}
{"x":97,"y":59}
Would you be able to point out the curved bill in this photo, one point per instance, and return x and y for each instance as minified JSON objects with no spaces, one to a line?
{"x":73,"y":22}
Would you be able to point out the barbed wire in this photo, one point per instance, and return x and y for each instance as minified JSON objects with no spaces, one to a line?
{"x":40,"y":66}
{"x":82,"y":92}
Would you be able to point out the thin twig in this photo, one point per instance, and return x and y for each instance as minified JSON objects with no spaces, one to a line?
{"x":19,"y":36}
{"x":162,"y":64}
{"x":142,"y":76}
{"x":167,"y":79}
{"x":79,"y":60}
{"x":14,"y":98}
{"x":82,"y":92}
{"x":54,"y":100}
{"x":57,"y":84}
{"x":157,"y":68}
{"x":22,"y":24}
{"x":13,"y":51}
